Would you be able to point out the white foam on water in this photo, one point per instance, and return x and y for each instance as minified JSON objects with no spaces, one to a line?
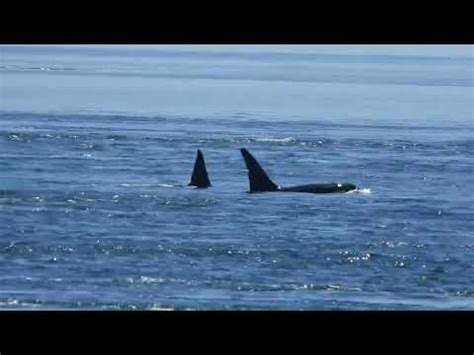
{"x":363,"y":191}
{"x":276,"y":140}
{"x":148,"y":279}
{"x":159,"y":308}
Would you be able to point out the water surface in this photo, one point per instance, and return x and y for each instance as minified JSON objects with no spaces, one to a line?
{"x":97,"y":145}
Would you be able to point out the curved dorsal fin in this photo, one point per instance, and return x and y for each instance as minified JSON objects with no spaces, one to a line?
{"x":258,"y":178}
{"x":200,"y":177}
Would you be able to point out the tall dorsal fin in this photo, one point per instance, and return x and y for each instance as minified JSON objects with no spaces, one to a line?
{"x":258,"y":178}
{"x":200,"y":177}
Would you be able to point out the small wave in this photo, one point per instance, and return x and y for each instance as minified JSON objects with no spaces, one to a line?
{"x":464,"y":292}
{"x":160,"y":308}
{"x":342,"y":288}
{"x":18,"y":137}
{"x":363,"y":191}
{"x":275,"y":140}
{"x":149,"y":280}
{"x":166,"y":185}
{"x":127,"y":184}
{"x":188,"y":202}
{"x":9,"y":302}
{"x":23,"y":68}
{"x":309,"y":142}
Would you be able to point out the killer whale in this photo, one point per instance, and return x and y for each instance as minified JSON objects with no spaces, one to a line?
{"x":199,"y":177}
{"x":260,"y":182}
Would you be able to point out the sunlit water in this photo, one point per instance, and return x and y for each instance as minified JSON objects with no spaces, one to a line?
{"x":97,"y":147}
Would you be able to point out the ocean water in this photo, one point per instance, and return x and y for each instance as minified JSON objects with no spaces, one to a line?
{"x":98,"y":143}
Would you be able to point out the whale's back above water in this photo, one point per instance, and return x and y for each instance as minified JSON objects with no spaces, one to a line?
{"x":260,"y":182}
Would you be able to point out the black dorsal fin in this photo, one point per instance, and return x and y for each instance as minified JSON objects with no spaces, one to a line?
{"x":258,"y":178}
{"x":200,"y":178}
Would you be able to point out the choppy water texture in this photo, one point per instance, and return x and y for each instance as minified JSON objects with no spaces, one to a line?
{"x":97,"y":145}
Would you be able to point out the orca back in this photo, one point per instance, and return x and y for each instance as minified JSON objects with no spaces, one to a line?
{"x":199,"y":178}
{"x":258,"y":178}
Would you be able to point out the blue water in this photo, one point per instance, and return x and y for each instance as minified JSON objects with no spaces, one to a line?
{"x":97,"y":145}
